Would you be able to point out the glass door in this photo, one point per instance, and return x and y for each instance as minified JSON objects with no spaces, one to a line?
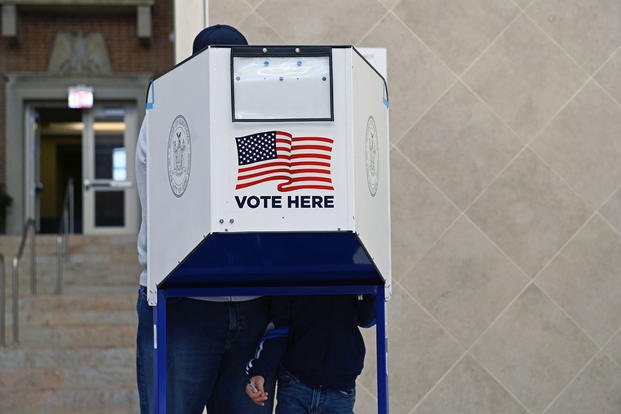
{"x":110,"y":197}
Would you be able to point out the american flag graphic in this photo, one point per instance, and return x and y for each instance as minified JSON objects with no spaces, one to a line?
{"x":299,"y":162}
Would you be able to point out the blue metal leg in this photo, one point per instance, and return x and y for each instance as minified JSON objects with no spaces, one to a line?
{"x":382,"y":353}
{"x":159,"y":360}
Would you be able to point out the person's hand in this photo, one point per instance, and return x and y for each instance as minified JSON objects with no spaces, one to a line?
{"x":259,"y":396}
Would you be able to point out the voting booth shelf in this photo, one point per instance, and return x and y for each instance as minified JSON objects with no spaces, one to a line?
{"x":268,"y":174}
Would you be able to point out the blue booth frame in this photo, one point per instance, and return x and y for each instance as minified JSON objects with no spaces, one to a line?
{"x":272,"y":264}
{"x":159,"y":323}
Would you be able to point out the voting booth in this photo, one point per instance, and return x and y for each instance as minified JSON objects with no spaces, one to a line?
{"x":268,"y":174}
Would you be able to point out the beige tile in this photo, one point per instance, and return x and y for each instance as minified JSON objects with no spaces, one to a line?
{"x":534,"y":350}
{"x":416,"y":78}
{"x":254,"y":3}
{"x":525,"y":77}
{"x":613,"y":349}
{"x":596,"y":390}
{"x":228,"y":12}
{"x":465,"y":282}
{"x":389,"y":3}
{"x":460,"y":145}
{"x":529,"y":212}
{"x":419,"y":213}
{"x":589,"y":30}
{"x":609,"y":76}
{"x":259,"y":32}
{"x":458,"y":31}
{"x":420,"y":352}
{"x":583,"y":144}
{"x":321,"y":21}
{"x":368,"y":378}
{"x":585,"y":279}
{"x":523,"y":3}
{"x":468,"y":389}
{"x":612,"y":210}
{"x":365,"y":403}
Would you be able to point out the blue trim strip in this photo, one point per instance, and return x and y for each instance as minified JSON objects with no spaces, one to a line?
{"x":271,"y":291}
{"x":160,"y":369}
{"x":152,"y":102}
{"x":385,"y":95}
{"x":271,"y":334}
{"x":276,"y":333}
{"x":382,"y":353}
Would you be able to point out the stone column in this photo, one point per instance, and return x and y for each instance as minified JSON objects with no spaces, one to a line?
{"x":190,"y":17}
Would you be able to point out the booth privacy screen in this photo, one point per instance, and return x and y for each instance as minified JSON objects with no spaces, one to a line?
{"x":291,"y":88}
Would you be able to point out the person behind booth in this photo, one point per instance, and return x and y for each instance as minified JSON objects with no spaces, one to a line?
{"x":209,"y":339}
{"x":318,"y":351}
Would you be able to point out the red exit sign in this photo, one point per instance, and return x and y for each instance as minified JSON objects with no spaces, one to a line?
{"x":80,"y":97}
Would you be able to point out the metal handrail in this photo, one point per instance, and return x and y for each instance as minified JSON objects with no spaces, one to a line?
{"x":64,"y":229}
{"x":30,"y":224}
{"x":2,"y":303}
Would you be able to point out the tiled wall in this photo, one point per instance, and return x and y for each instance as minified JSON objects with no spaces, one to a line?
{"x":506,"y":206}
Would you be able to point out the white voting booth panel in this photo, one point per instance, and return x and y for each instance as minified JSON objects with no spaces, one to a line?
{"x":302,"y":147}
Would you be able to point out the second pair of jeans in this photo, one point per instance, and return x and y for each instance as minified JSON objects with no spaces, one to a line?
{"x":295,"y":397}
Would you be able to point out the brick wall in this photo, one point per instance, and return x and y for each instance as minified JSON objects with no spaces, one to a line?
{"x":127,"y":53}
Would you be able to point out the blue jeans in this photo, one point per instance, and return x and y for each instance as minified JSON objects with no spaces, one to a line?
{"x":294,"y":397}
{"x":209,"y":344}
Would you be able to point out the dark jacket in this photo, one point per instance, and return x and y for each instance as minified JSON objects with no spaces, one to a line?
{"x":316,"y":338}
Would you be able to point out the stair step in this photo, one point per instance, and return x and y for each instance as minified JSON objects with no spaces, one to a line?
{"x":102,"y":289}
{"x":42,"y":303}
{"x":106,"y":409}
{"x":106,"y":260}
{"x":62,"y":377}
{"x":77,"y":243}
{"x":48,"y":284}
{"x":75,"y":400}
{"x":78,"y":337}
{"x":103,"y":277}
{"x":77,"y":289}
{"x":24,"y":357}
{"x":112,"y":264}
{"x":72,"y":318}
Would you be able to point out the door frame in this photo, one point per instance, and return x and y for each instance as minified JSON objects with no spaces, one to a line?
{"x":91,"y":185}
{"x":36,"y":89}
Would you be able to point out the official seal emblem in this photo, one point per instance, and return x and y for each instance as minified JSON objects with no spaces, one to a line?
{"x":372,"y":156}
{"x":179,"y":156}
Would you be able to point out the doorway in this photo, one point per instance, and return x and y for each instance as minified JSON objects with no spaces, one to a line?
{"x":93,"y":147}
{"x":59,"y":132}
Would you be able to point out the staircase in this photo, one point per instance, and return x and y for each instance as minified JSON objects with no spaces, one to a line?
{"x":77,"y":350}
